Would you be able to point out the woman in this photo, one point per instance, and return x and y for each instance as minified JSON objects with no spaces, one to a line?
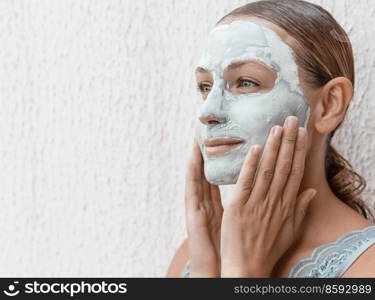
{"x":276,"y":78}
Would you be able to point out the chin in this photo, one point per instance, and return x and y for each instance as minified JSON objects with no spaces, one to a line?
{"x":222,"y":171}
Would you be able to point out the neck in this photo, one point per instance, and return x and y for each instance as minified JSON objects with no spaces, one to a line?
{"x":327,"y":217}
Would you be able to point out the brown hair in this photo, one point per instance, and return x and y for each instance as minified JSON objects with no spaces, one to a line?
{"x":324,"y":51}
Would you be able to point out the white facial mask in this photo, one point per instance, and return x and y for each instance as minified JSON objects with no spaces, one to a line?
{"x":246,"y":116}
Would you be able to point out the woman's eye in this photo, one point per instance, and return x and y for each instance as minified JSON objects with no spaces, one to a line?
{"x":247,"y":83}
{"x":204,"y":88}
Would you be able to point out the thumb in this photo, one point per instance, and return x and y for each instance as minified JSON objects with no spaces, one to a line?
{"x":193,"y":179}
{"x":303,"y":201}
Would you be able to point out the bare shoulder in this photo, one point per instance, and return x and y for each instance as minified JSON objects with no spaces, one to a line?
{"x":179,"y":260}
{"x":364,"y":266}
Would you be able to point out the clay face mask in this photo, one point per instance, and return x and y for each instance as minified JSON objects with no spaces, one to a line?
{"x":244,"y":117}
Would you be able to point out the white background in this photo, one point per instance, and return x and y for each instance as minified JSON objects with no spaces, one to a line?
{"x":97,"y":111}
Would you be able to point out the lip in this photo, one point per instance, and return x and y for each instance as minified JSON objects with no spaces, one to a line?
{"x":216,"y":146}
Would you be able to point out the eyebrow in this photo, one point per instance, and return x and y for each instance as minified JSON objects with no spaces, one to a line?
{"x":233,"y":65}
{"x":201,"y":70}
{"x":237,"y":64}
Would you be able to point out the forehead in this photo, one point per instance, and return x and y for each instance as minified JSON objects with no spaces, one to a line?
{"x":285,"y":36}
{"x":238,"y":33}
{"x":244,"y":39}
{"x":237,"y":41}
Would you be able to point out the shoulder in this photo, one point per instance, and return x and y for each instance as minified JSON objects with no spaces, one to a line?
{"x":179,"y":260}
{"x":364,"y":265}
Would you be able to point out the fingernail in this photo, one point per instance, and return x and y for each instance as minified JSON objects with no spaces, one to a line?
{"x":302,"y":131}
{"x":291,"y":122}
{"x":312,"y":194}
{"x":276,"y":130}
{"x":255,"y":149}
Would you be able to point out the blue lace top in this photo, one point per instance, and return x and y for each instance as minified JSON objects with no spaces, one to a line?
{"x":331,"y":259}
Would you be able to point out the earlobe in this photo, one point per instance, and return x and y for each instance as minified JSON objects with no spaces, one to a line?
{"x":335,"y":98}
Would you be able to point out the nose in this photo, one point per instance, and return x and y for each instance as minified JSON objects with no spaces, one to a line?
{"x":212,"y":111}
{"x":209,"y":120}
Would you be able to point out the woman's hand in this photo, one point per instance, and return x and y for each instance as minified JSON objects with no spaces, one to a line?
{"x":262,"y":219}
{"x":204,"y":213}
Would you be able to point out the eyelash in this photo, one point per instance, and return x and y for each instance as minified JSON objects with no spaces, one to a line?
{"x":248,"y":80}
{"x":201,"y":86}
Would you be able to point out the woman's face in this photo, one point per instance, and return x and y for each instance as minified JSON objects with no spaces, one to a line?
{"x":249,"y":82}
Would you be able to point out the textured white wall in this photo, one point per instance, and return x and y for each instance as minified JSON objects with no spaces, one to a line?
{"x":96,"y":120}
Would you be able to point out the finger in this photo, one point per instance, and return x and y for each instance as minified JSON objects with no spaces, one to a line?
{"x":285,"y":157}
{"x":303,"y":202}
{"x":206,"y":188}
{"x":193,"y":183}
{"x":216,"y":197}
{"x":245,"y":180}
{"x":265,"y":171}
{"x":215,"y":192}
{"x":210,"y":192}
{"x":296,"y":173}
{"x":195,"y":163}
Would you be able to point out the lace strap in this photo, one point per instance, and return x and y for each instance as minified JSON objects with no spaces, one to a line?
{"x":333,"y":259}
{"x":186,"y":270}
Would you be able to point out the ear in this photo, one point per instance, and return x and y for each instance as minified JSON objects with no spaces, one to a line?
{"x":335,"y":99}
